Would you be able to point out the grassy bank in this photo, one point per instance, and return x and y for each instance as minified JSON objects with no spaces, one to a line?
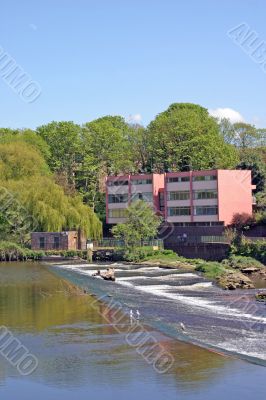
{"x":10,"y":251}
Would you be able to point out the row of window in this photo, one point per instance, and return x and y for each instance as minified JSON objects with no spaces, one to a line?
{"x":169,"y":180}
{"x":123,"y":198}
{"x":173,"y":179}
{"x":197,"y":211}
{"x":197,"y":195}
{"x":148,"y":196}
{"x":172,"y":211}
{"x":133,"y":182}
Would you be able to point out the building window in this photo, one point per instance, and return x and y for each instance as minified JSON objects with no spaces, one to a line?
{"x":56,"y":242}
{"x":142,"y":181}
{"x":205,"y":194}
{"x":178,"y":179}
{"x":161,"y":201}
{"x":117,"y":213}
{"x":117,"y":198}
{"x":42,"y":242}
{"x":117,"y":183}
{"x":204,"y":178}
{"x":145,"y":196}
{"x":183,"y":195}
{"x":178,"y":211}
{"x":206,"y":210}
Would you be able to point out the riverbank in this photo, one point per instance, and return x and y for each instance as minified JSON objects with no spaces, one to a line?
{"x":232,"y":273}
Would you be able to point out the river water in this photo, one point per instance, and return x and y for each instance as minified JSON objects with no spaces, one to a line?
{"x":84,"y":349}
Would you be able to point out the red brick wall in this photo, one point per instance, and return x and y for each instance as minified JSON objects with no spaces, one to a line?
{"x":67,"y":240}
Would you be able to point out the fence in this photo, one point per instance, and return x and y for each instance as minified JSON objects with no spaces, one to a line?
{"x":116,"y":243}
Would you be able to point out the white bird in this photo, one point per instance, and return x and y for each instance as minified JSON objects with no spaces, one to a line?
{"x":182,"y":326}
{"x":138,"y":314}
{"x":131,"y":314}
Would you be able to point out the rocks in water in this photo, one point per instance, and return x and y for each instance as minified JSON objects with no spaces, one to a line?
{"x":109,"y":275}
{"x":235,"y":280}
{"x":261,"y":296}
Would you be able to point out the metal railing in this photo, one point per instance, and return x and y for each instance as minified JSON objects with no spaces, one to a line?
{"x":116,"y":243}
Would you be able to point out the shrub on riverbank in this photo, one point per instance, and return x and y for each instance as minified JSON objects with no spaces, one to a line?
{"x":211,"y":269}
{"x":251,"y":248}
{"x":10,"y":251}
{"x":147,"y":253}
{"x":241,"y":262}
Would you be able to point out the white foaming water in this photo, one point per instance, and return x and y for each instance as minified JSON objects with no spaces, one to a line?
{"x":176,"y":276}
{"x":196,"y":286}
{"x":199,"y":303}
{"x":132,"y":278}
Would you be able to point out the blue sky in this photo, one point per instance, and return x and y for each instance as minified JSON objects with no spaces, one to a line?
{"x":108,"y":57}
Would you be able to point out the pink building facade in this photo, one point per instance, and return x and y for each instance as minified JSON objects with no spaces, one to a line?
{"x":196,"y":197}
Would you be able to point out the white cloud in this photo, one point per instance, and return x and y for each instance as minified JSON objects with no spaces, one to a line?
{"x":134,"y":118}
{"x":229,"y":113}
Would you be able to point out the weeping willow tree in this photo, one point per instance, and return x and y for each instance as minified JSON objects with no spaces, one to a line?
{"x":30,"y":200}
{"x":43,"y":206}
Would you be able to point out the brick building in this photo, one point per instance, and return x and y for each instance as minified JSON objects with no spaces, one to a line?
{"x":69,"y":240}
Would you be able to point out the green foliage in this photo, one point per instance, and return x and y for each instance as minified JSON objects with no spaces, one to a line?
{"x":146,"y":253}
{"x":248,"y":248}
{"x":64,"y":140}
{"x":10,"y":251}
{"x":20,"y":160}
{"x":186,"y":137}
{"x":238,"y":262}
{"x":211,"y":269}
{"x":51,"y":210}
{"x":141,"y":224}
{"x":25,"y":136}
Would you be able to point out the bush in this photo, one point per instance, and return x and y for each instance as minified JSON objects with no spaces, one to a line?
{"x":238,"y":262}
{"x":210,"y":269}
{"x":10,"y":251}
{"x":249,"y":248}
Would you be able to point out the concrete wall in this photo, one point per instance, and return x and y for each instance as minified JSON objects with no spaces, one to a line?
{"x":206,"y":251}
{"x":234,"y":194}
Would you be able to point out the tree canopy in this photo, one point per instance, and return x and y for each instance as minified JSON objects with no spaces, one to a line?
{"x":185,"y":137}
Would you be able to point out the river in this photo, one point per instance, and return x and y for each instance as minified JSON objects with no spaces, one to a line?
{"x":83,"y":349}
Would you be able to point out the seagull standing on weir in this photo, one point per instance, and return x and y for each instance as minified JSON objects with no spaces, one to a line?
{"x":182,"y":326}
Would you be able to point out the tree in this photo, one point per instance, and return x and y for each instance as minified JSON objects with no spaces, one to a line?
{"x":251,"y":159}
{"x":26,"y":136}
{"x":20,"y":160}
{"x":186,"y":137}
{"x":105,"y":150}
{"x":241,"y":134}
{"x":139,"y":147}
{"x":64,"y":140}
{"x":141,"y":224}
{"x":39,"y":204}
